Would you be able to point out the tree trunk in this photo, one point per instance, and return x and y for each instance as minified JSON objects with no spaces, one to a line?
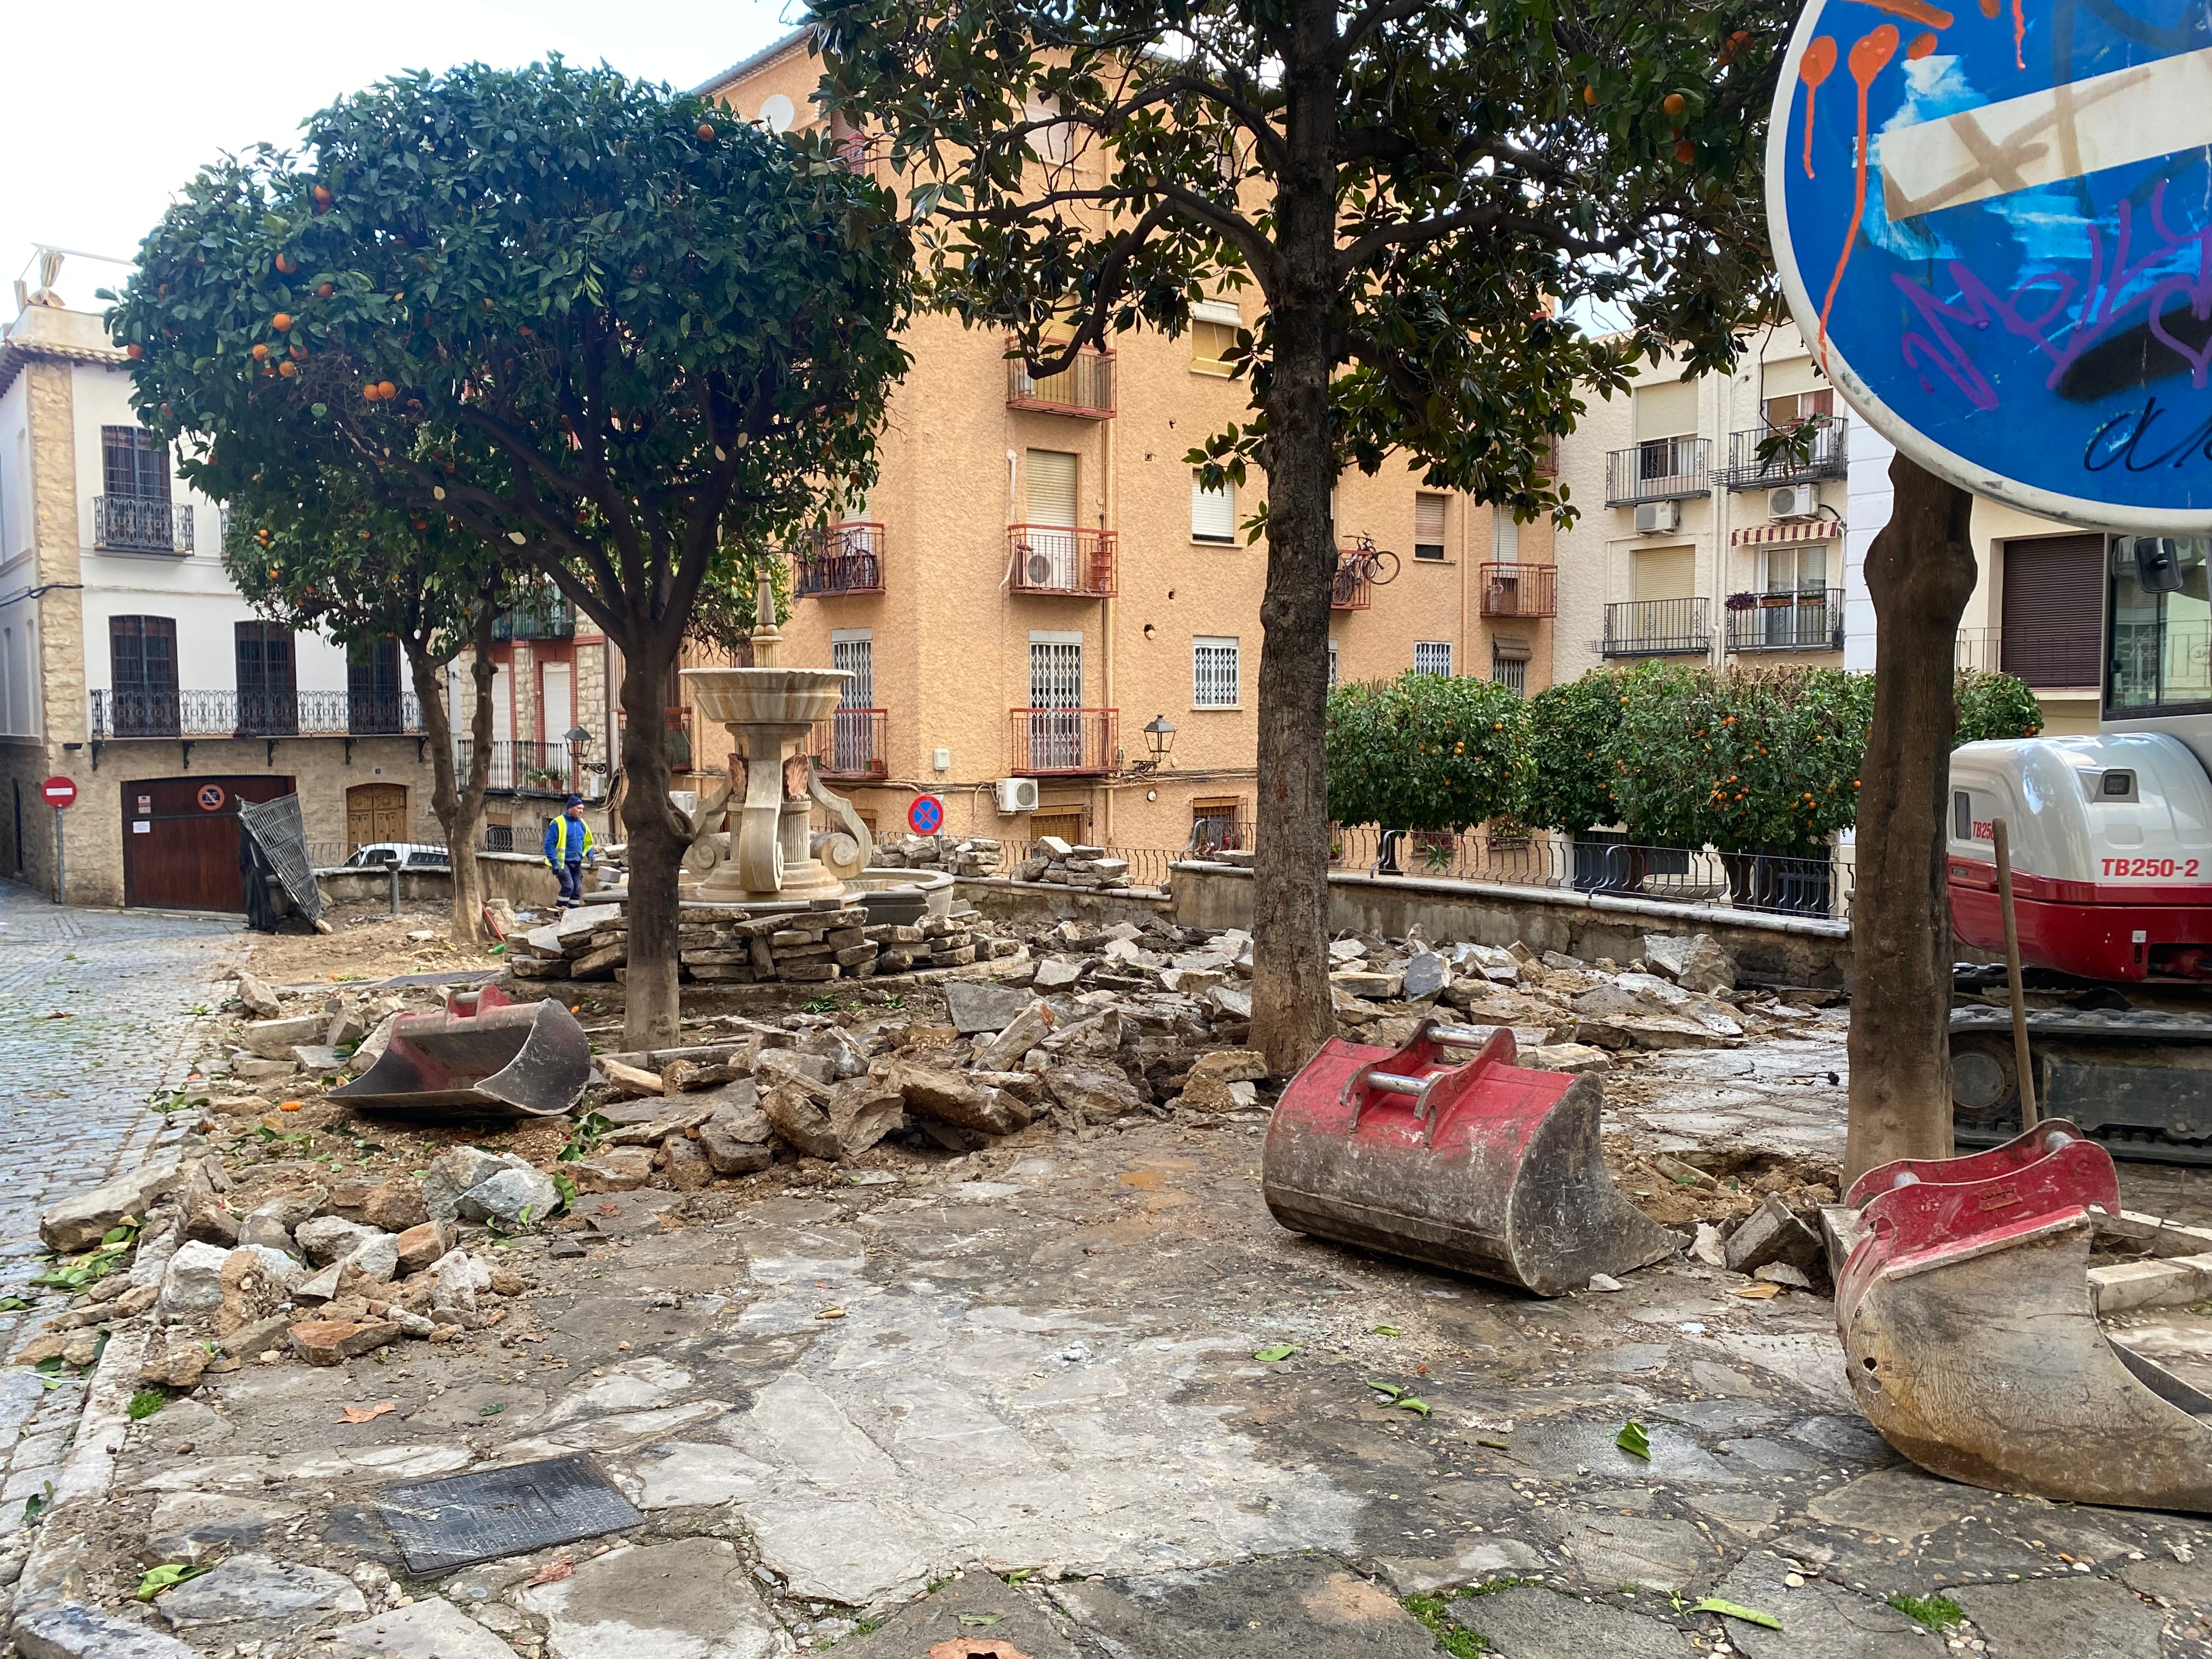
{"x":656,"y":842}
{"x":458,"y":804}
{"x":1290,"y":1012}
{"x":1921,"y":572}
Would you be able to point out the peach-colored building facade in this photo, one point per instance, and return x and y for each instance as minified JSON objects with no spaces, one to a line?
{"x":1035,"y":579}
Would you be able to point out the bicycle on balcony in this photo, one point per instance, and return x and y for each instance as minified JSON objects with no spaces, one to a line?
{"x":1363,"y":564}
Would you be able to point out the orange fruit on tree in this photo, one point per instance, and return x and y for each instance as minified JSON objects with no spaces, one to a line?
{"x":324,"y":291}
{"x":1686,"y":151}
{"x":281,"y":322}
{"x":288,"y":369}
{"x":287,"y":264}
{"x":1675,"y":103}
{"x":298,"y":351}
{"x":260,"y":350}
{"x":1590,"y":95}
{"x":370,"y":393}
{"x":706,"y":133}
{"x":384,"y":389}
{"x":134,"y":351}
{"x":322,"y":195}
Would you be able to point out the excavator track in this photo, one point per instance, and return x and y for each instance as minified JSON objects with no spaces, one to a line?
{"x":2138,"y":1081}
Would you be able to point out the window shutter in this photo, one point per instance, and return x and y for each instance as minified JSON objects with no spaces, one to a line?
{"x":1666,"y":411}
{"x":1212,"y":512}
{"x":2053,"y":599}
{"x":1052,"y":487}
{"x":1504,"y":535}
{"x":1788,"y":380}
{"x":1428,"y":519}
{"x":1665,"y":573}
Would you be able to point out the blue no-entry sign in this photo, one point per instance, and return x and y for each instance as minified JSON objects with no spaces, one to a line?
{"x":925,"y":814}
{"x":1995,"y":227}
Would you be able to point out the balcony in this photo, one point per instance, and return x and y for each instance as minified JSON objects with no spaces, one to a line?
{"x":1352,"y":588}
{"x":133,"y":713}
{"x":1788,"y":622}
{"x":1084,"y":389}
{"x":1520,"y":590}
{"x":133,"y":524}
{"x":1059,"y":559}
{"x":549,"y":618}
{"x":1663,"y":470}
{"x":2048,"y":659}
{"x":1057,"y":743}
{"x":1825,"y":455}
{"x":677,"y":726}
{"x":1656,"y":628}
{"x":851,"y":745}
{"x":1547,"y":460}
{"x":526,"y":768}
{"x":839,"y":559}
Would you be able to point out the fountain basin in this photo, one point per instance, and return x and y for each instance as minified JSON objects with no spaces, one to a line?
{"x":768,"y":697}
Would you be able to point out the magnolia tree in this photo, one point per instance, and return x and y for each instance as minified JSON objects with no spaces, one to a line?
{"x":1417,"y":193}
{"x":587,"y":321}
{"x":327,"y":562}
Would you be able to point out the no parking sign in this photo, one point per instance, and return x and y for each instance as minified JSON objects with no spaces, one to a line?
{"x":926,"y":816}
{"x":1995,"y":228}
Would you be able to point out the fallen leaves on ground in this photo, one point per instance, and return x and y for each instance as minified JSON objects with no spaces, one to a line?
{"x":1731,"y":1610}
{"x":367,"y":1413}
{"x":553,"y":1572}
{"x":1633,"y":1440}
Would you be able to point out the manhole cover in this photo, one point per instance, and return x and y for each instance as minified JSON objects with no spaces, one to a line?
{"x":466,"y":1518}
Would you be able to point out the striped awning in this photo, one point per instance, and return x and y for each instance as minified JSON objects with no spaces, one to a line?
{"x":1812,"y":530}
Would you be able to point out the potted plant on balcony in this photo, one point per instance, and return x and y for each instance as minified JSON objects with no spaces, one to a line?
{"x":1743,"y":602}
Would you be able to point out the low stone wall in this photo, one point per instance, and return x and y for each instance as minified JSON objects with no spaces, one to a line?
{"x":1773,"y":950}
{"x":1038,"y":904}
{"x":515,"y":876}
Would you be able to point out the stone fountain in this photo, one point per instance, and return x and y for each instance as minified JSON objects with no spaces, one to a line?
{"x":770,"y":711}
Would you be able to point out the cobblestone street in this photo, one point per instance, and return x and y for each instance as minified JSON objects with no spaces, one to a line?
{"x":93,"y":1008}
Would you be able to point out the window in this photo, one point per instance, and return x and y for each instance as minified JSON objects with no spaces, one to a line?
{"x":1504,"y":535}
{"x":134,"y":464}
{"x":1213,"y":513}
{"x":2049,"y":609}
{"x":1213,"y":326}
{"x":372,"y":694}
{"x":142,"y":662}
{"x":1510,"y":667}
{"x":1666,"y":429}
{"x":1051,"y":555}
{"x":2161,"y":650}
{"x":1792,"y":392}
{"x":268,"y":693}
{"x":1055,"y":722}
{"x":1216,"y":824}
{"x":1428,"y":524}
{"x":1663,"y":573}
{"x":1332,"y":662}
{"x":1432,"y":657}
{"x":1213,"y":673}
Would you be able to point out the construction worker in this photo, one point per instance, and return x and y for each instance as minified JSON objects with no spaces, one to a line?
{"x":567,"y":844}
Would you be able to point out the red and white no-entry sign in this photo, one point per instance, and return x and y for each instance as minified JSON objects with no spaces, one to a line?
{"x":58,"y":792}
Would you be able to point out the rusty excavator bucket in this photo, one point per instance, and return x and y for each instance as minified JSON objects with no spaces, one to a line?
{"x":485,"y":1054}
{"x":1970,"y":1334}
{"x":1446,"y":1151}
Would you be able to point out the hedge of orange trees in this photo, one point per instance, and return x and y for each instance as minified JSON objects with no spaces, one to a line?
{"x":1763,"y":760}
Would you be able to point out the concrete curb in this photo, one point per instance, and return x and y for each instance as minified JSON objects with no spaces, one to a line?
{"x":51,"y":1572}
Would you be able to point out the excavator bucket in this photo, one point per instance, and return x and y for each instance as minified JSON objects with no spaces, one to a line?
{"x":1446,"y":1151}
{"x":485,"y":1054}
{"x":1972,"y":1337}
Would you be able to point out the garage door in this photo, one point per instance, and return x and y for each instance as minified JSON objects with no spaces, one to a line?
{"x":180,"y":840}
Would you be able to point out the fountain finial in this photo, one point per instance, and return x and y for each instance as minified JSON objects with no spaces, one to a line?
{"x":768,"y":639}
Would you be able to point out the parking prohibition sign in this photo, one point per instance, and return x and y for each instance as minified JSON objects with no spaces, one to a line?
{"x":926,"y":816}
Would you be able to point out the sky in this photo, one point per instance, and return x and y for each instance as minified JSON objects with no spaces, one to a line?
{"x":96,"y":143}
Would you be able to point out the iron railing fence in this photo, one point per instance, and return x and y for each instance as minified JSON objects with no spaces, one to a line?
{"x":1826,"y":455}
{"x":839,"y":559}
{"x":132,"y":711}
{"x":854,"y":743}
{"x":1048,"y":742}
{"x":523,"y":765}
{"x":1084,"y":388}
{"x":2044,"y":658}
{"x":1061,"y":559}
{"x":1659,"y":470}
{"x":1789,"y":621}
{"x":1658,"y":627}
{"x":136,"y":524}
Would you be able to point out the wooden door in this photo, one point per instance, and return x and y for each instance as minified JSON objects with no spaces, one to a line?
{"x":180,"y":840}
{"x":376,"y":812}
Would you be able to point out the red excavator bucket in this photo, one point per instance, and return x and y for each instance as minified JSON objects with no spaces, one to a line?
{"x":1471,"y":1164}
{"x":1971,"y":1334}
{"x":485,"y":1054}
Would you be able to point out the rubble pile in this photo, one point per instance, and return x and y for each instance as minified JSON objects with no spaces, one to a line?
{"x":728,"y":944}
{"x":342,"y":1031}
{"x":1061,"y":864}
{"x":974,"y":856}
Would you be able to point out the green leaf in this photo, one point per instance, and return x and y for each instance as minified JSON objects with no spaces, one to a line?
{"x":980,"y":1620}
{"x":12,"y":1304}
{"x":1385,"y":1330}
{"x":1633,"y":1440}
{"x":1408,"y":1403}
{"x":1387,"y":1391}
{"x":493,"y":1410}
{"x":169,"y":1573}
{"x":1495,"y":1445}
{"x":1273,"y":1356}
{"x":1731,"y":1610}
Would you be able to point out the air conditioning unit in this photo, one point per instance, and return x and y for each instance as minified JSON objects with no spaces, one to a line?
{"x":1794,"y":503}
{"x":1018,"y":794}
{"x":1658,"y":517}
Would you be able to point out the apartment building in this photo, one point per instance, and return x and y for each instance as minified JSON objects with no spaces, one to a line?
{"x":1052,"y":627}
{"x":1694,"y":544}
{"x":130,"y":665}
{"x":553,"y":726}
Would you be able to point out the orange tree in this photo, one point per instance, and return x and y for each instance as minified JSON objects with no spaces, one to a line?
{"x":1994,"y":706}
{"x":1420,"y":195}
{"x":1426,"y":752}
{"x":596,"y":325}
{"x":1571,"y":728}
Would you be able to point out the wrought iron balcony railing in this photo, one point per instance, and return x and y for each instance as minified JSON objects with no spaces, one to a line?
{"x":2047,"y":659}
{"x":130,"y":712}
{"x":541,"y":619}
{"x":1821,"y":451}
{"x":520,"y":765}
{"x":1084,"y":388}
{"x":839,"y":559}
{"x":1520,"y":590}
{"x":1662,"y":470}
{"x":1351,"y":589}
{"x":1061,"y":559}
{"x":1063,"y":742}
{"x":1810,"y":620}
{"x":851,"y":743}
{"x":134,"y":524}
{"x":1656,"y":628}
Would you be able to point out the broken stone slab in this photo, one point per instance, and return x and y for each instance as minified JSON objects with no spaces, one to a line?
{"x":1208,"y":1087}
{"x":512,"y":1196}
{"x":1570,"y":1057}
{"x":692,"y":1599}
{"x":188,"y":1526}
{"x":1426,"y":976}
{"x":975,"y":1005}
{"x":431,"y":1628}
{"x":1368,"y":986}
{"x":613,"y":1169}
{"x":193,"y":1283}
{"x":456,"y":1280}
{"x":260,"y":1589}
{"x":1096,"y":1094}
{"x":70,"y":1630}
{"x":950,"y":1098}
{"x":685,"y":1163}
{"x":1027,"y":1030}
{"x":1707,"y":967}
{"x":836,"y":1123}
{"x":1817,"y":1617}
{"x":275,"y":1039}
{"x":420,"y":1246}
{"x":253,"y":1069}
{"x":81,"y":1220}
{"x":1229,"y":1003}
{"x":1647,"y":1551}
{"x":1772,"y":1233}
{"x":736,"y":1141}
{"x":251,"y":1291}
{"x":1530,"y":1622}
{"x":453,"y":1173}
{"x":177,"y":1366}
{"x":1058,"y":973}
{"x":258,"y":996}
{"x":329,"y":1238}
{"x":334,"y":1341}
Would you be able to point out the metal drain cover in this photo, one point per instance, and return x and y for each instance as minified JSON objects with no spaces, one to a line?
{"x":467,"y":1518}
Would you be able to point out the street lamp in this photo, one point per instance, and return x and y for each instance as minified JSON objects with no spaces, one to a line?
{"x":1160,"y":738}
